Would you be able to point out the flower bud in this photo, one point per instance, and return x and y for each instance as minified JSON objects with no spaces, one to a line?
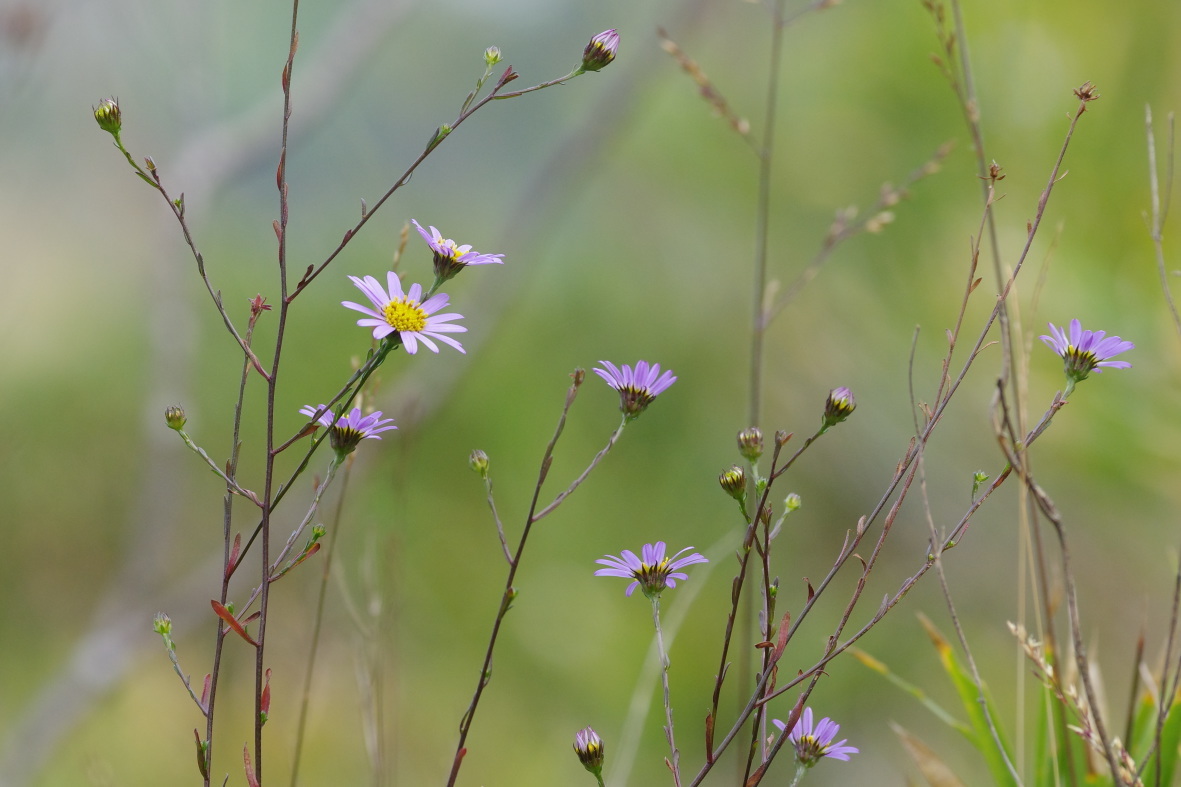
{"x":839,"y":406}
{"x":175,"y":417}
{"x":733,"y":482}
{"x":492,"y":56}
{"x":600,"y":51}
{"x":792,"y":502}
{"x":750,"y":443}
{"x":590,"y":750}
{"x":478,"y":460}
{"x":162,"y":624}
{"x":108,"y":115}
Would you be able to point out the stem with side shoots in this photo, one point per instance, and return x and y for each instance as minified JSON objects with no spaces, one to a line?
{"x":510,"y":592}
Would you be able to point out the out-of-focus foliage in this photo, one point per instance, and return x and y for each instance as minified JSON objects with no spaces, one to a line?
{"x":625,"y":211}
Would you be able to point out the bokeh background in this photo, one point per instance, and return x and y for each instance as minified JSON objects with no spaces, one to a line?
{"x":625,"y":210}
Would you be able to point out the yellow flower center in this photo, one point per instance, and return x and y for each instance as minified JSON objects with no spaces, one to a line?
{"x":404,"y":315}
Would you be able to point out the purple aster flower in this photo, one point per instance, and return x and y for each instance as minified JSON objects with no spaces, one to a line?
{"x":637,"y":388}
{"x":450,"y":257}
{"x":600,"y":51}
{"x":1085,"y":351}
{"x":652,"y":572}
{"x":349,"y":430}
{"x":814,"y":743}
{"x":405,"y":314}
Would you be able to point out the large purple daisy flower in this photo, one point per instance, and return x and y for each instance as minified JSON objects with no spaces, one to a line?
{"x":405,"y":313}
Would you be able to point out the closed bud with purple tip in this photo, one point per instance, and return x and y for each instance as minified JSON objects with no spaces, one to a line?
{"x":600,"y":51}
{"x":590,"y":750}
{"x":839,"y":406}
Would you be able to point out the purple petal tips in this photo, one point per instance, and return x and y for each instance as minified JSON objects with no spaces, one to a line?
{"x":1084,"y":352}
{"x":637,"y":387}
{"x":349,"y":430}
{"x":814,"y":743}
{"x":652,"y":571}
{"x":450,"y":257}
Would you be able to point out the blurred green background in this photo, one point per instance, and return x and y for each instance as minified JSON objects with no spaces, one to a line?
{"x":625,"y":211}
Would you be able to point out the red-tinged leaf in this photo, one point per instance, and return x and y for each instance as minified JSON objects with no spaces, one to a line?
{"x":205,"y":692}
{"x":253,"y":617}
{"x":251,"y":779}
{"x":975,"y":284}
{"x":784,"y":627}
{"x":235,"y":552}
{"x":348,"y":235}
{"x":757,"y":776}
{"x":278,"y":231}
{"x":231,"y":621}
{"x":811,"y":590}
{"x":709,"y":737}
{"x":202,"y":755}
{"x":264,"y":701}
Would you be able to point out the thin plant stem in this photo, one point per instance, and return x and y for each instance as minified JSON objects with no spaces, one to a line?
{"x":905,"y":471}
{"x":674,"y":762}
{"x":227,"y":556}
{"x":510,"y":593}
{"x":758,"y":323}
{"x":272,"y":391}
{"x":1160,"y":209}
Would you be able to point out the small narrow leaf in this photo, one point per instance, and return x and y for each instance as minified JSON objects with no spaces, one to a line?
{"x":231,"y":621}
{"x":251,"y":779}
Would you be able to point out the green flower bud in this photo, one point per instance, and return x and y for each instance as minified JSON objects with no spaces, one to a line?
{"x":479,"y":462}
{"x":750,"y":443}
{"x":108,"y":115}
{"x":492,"y":56}
{"x":733,"y":482}
{"x":175,"y":418}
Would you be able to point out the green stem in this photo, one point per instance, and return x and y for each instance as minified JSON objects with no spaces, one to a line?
{"x":674,"y":756}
